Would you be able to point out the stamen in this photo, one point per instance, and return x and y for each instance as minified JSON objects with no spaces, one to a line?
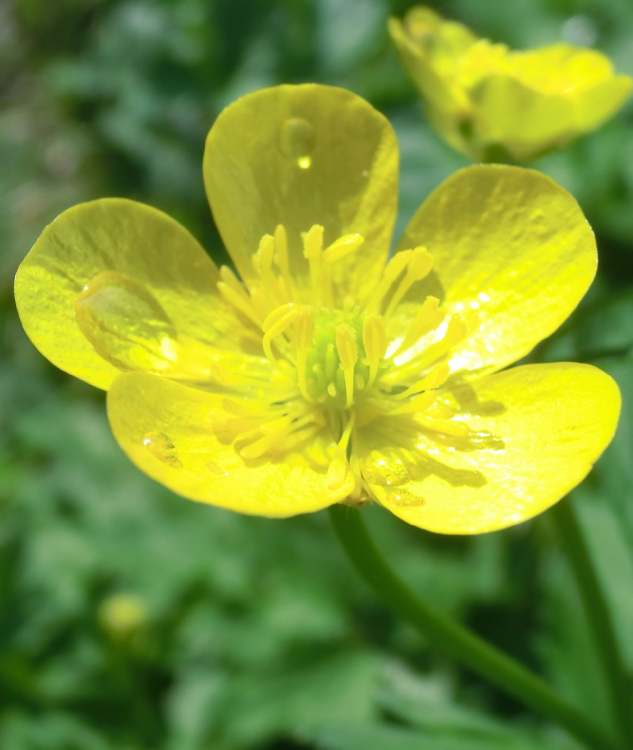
{"x":391,"y":272}
{"x":428,"y":317}
{"x":342,"y":247}
{"x":281,"y":322}
{"x":375,"y":343}
{"x":339,"y":470}
{"x":304,"y":327}
{"x":263,"y":258}
{"x":436,"y":377}
{"x":348,"y":356}
{"x":455,"y":331}
{"x":418,"y":267}
{"x":275,"y":315}
{"x":235,"y":294}
{"x":281,"y":250}
{"x":312,"y":251}
{"x":285,"y":281}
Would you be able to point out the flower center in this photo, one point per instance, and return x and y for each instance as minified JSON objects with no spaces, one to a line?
{"x":341,"y":362}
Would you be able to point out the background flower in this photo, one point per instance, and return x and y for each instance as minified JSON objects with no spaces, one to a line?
{"x":496,"y":104}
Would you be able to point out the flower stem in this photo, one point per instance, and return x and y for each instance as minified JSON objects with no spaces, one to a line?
{"x":578,"y":555}
{"x":456,"y":640}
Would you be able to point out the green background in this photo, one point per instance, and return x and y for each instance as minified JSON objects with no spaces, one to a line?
{"x":255,"y":633}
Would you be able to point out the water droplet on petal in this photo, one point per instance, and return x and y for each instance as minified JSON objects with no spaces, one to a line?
{"x":404,"y":499}
{"x":385,"y":470}
{"x":126,"y":324}
{"x":162,"y":448}
{"x":297,"y":141}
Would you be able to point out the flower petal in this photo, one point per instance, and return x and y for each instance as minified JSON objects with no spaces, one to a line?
{"x":513,"y":253}
{"x":595,"y":106}
{"x":114,"y":284}
{"x":536,"y":431}
{"x":177,"y":435}
{"x":298,"y":156}
{"x":522,"y":121}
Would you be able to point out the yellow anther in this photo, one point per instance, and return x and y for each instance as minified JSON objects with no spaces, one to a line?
{"x":343,"y":442}
{"x":392,"y":270}
{"x":312,"y":250}
{"x":436,"y":377}
{"x":263,"y":258}
{"x":278,"y":327}
{"x":456,"y":330}
{"x":428,"y":317}
{"x":281,"y":249}
{"x":304,"y":328}
{"x":331,"y":389}
{"x":348,"y":356}
{"x":313,"y":242}
{"x":230,"y":279}
{"x":277,"y":314}
{"x":239,"y":300}
{"x":339,"y":468}
{"x":342,"y":247}
{"x":419,"y":264}
{"x":375,"y":343}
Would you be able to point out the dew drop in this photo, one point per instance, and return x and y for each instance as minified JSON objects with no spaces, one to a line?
{"x":297,"y":141}
{"x":126,"y":324}
{"x":162,"y":448}
{"x":404,"y":499}
{"x":385,"y":470}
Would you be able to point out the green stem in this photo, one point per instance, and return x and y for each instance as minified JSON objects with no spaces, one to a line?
{"x":575,"y":547}
{"x":455,"y":640}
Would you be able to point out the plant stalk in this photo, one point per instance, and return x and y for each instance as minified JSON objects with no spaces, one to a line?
{"x":457,"y":641}
{"x":576,"y":549}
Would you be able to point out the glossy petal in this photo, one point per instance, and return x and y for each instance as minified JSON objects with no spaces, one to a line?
{"x":298,"y":156}
{"x":536,"y":432}
{"x":114,"y":284}
{"x":513,"y":253}
{"x":178,"y":436}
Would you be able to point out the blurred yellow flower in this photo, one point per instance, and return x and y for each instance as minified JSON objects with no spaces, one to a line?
{"x":326,"y":372}
{"x":496,"y":104}
{"x":122,"y":615}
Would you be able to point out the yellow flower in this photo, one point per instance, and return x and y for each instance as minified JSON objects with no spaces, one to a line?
{"x":492,"y":103}
{"x":327,"y":372}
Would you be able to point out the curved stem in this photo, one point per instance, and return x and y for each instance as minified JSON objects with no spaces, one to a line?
{"x":455,"y":640}
{"x":578,"y":555}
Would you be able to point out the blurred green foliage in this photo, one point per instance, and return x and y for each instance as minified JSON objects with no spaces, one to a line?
{"x":249,"y":634}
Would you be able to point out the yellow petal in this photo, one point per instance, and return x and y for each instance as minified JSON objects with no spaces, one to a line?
{"x":513,"y":253}
{"x":493,"y":103}
{"x":561,"y":68}
{"x":429,"y":49}
{"x":535,"y":433}
{"x":178,"y":435}
{"x":300,"y":156}
{"x":595,"y":106}
{"x":522,"y":121}
{"x":114,"y":284}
